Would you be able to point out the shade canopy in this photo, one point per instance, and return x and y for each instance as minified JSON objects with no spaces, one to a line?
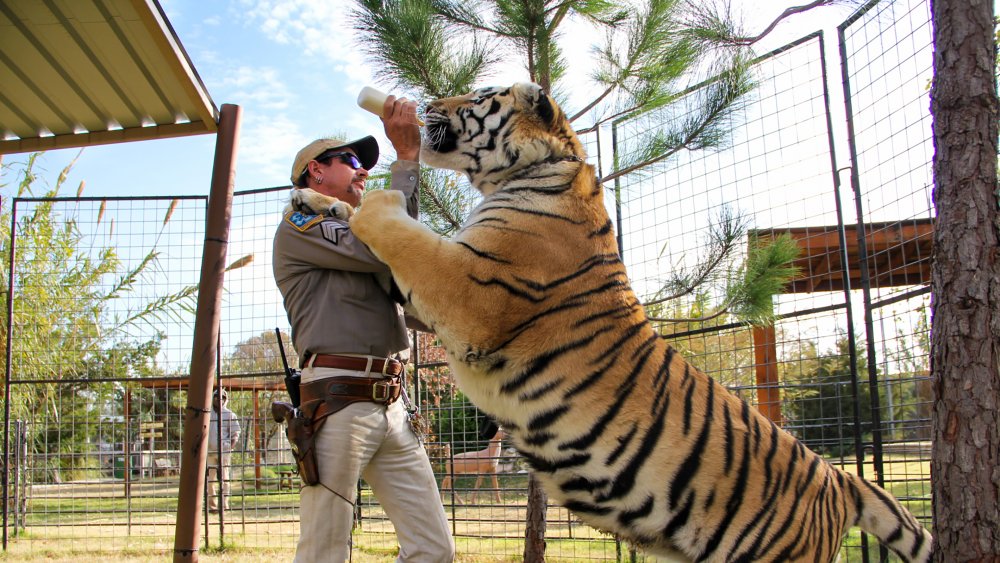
{"x":87,"y":72}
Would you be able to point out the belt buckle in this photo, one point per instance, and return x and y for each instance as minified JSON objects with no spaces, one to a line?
{"x":384,"y":386}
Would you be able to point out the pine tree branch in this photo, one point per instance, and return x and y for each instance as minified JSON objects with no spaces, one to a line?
{"x":644,"y":33}
{"x":705,"y":273}
{"x":605,"y":119}
{"x":716,"y":112}
{"x":444,"y":211}
{"x":607,"y":92}
{"x":453,"y":17}
{"x":645,"y":163}
{"x":717,"y":314}
{"x":723,"y":237}
{"x":791,"y":11}
{"x":560,"y":10}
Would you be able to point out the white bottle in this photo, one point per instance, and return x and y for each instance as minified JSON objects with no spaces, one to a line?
{"x":373,"y":100}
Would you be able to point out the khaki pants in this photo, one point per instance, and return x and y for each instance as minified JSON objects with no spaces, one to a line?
{"x":371,"y":441}
{"x":213,"y":470}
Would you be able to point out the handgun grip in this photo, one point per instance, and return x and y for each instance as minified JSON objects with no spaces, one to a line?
{"x":282,"y":411}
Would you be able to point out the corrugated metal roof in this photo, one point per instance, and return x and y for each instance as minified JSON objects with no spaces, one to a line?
{"x":87,"y":72}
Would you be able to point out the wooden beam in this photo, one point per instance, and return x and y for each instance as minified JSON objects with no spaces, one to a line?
{"x":765,"y":352}
{"x":105,"y":137}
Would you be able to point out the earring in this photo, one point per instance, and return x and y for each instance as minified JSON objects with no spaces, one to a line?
{"x":319,"y":179}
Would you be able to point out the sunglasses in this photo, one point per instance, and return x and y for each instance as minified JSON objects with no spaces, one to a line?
{"x":345,"y":157}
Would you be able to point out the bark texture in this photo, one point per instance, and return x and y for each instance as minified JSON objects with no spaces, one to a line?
{"x":534,"y":528}
{"x":965,"y":341}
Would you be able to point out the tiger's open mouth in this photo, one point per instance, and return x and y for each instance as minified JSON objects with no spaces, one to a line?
{"x":439,"y":135}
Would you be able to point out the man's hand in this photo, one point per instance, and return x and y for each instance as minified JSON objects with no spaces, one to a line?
{"x":401,"y":127}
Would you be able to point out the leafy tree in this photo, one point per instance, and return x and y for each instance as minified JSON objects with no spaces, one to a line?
{"x":907,"y":395}
{"x":451,"y":415}
{"x":819,"y":400}
{"x":67,"y":335}
{"x":260,"y":355}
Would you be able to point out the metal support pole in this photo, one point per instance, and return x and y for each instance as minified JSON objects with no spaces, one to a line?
{"x":863,"y":272}
{"x":7,"y":371}
{"x":206,"y":338}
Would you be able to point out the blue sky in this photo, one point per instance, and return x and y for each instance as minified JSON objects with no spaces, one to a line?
{"x":295,"y":69}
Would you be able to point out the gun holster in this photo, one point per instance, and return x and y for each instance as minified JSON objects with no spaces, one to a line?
{"x":301,"y":430}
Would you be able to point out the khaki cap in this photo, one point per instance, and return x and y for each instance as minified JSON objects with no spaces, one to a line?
{"x":366,"y":148}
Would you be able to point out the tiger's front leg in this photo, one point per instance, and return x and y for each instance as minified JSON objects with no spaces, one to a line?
{"x":430,"y":271}
{"x":383,"y":224}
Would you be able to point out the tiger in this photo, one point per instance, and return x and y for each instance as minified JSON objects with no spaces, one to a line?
{"x":543,"y":332}
{"x":311,"y":202}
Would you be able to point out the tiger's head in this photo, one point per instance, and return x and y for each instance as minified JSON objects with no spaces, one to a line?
{"x":492,"y":133}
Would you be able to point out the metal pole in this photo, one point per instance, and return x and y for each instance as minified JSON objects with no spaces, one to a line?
{"x":618,"y":195}
{"x":865,"y":284}
{"x":206,"y":337}
{"x":126,"y":460}
{"x":7,"y":370}
{"x":258,"y":440}
{"x":219,"y":458}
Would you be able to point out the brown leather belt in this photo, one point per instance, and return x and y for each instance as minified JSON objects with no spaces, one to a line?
{"x":324,"y":397}
{"x":375,"y":389}
{"x":387,"y":366}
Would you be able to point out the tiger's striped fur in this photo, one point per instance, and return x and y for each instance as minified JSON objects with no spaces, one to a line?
{"x":543,"y":332}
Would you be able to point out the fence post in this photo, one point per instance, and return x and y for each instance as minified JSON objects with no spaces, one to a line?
{"x":206,"y":338}
{"x":7,"y":369}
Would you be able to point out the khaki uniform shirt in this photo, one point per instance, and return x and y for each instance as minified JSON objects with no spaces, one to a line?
{"x":327,"y":277}
{"x":230,"y":430}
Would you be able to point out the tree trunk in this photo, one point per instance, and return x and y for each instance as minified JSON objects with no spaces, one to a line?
{"x":534,"y":527}
{"x":965,"y":330}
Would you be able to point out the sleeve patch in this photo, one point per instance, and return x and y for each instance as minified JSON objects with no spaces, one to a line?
{"x":301,"y":221}
{"x":331,"y":231}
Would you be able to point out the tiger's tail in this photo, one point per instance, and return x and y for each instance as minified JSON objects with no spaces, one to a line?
{"x":884,"y":517}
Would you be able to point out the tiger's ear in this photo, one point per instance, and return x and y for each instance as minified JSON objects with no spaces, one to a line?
{"x":534,"y":97}
{"x":544,"y":108}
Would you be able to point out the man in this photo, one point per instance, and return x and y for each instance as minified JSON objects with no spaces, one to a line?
{"x":220,"y":448}
{"x":350,"y":336}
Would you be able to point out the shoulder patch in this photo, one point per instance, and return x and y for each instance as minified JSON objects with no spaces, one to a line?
{"x":301,"y":221}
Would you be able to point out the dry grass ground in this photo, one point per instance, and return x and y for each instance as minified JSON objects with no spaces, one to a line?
{"x":84,"y":522}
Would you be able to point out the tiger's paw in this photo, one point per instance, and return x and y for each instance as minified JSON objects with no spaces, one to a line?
{"x":340,"y":210}
{"x":312,"y":202}
{"x":377,"y":209}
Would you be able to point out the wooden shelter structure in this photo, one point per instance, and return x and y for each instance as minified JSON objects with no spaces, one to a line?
{"x":78,"y":73}
{"x":885,"y":254}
